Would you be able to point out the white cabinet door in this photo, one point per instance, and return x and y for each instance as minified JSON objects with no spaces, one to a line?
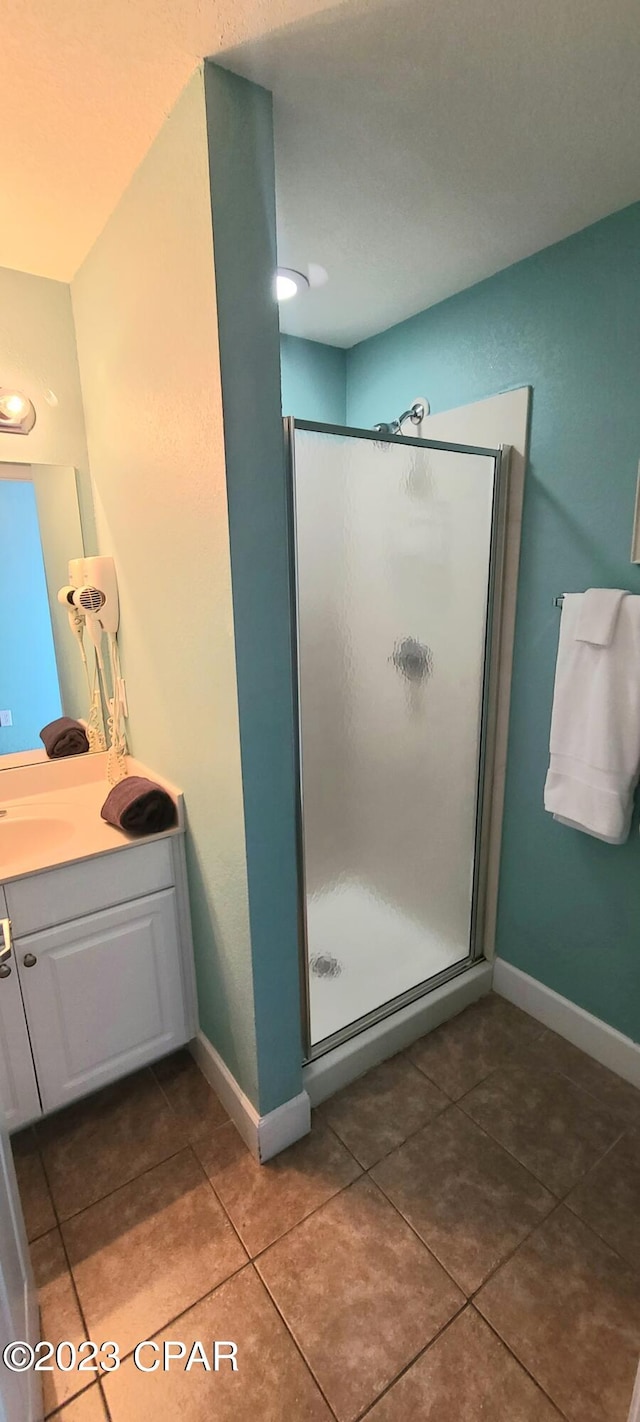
{"x":103,"y":995}
{"x":20,"y":1393}
{"x":19,"y":1100}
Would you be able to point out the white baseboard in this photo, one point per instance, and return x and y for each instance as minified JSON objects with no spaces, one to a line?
{"x":266,"y":1135}
{"x":585,"y":1031}
{"x":344,"y":1064}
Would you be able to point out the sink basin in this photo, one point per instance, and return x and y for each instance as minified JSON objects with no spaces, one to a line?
{"x":25,"y":833}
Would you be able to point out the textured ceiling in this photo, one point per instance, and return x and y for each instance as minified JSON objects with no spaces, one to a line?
{"x":423,"y":146}
{"x":84,"y":87}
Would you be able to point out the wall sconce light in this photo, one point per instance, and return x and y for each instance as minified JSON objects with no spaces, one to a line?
{"x":17,"y":413}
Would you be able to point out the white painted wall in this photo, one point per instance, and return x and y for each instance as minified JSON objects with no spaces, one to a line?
{"x":145,"y":311}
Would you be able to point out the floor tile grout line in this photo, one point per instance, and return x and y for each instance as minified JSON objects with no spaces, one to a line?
{"x":470,"y":1296}
{"x":176,"y":1113}
{"x":514,"y":1064}
{"x":251,"y":1256}
{"x":192,"y":1146}
{"x":508,"y":1061}
{"x":560,"y":1204}
{"x":409,"y":1137}
{"x":32,"y":1239}
{"x":129,"y":1181}
{"x":329,"y":1200}
{"x":558,"y":1071}
{"x":162,"y":1327}
{"x":527,"y":1168}
{"x":555,"y":1071}
{"x":633,"y":1268}
{"x":221,"y":1203}
{"x":412,"y":1361}
{"x":455,"y":1105}
{"x":457,"y":1102}
{"x":61,"y":1412}
{"x":574,"y":1183}
{"x":247,"y":1264}
{"x":596,"y":1163}
{"x":247,"y":1260}
{"x":326,"y":1125}
{"x":290,"y":1228}
{"x":48,"y":1185}
{"x":414,"y":1231}
{"x":293,"y":1338}
{"x":624,"y":1135}
{"x":520,"y":1363}
{"x":105,"y":1404}
{"x":557,"y":1204}
{"x":63,"y":1246}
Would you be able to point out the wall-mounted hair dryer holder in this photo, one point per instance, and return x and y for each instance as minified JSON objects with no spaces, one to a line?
{"x":91,"y":596}
{"x":93,"y":590}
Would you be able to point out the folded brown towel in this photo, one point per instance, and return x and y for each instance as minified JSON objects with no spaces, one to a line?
{"x":64,"y":737}
{"x":139,"y":806}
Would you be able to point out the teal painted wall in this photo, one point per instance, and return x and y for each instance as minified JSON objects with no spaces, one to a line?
{"x":242,"y":180}
{"x":28,"y":672}
{"x":567,"y":322}
{"x":313,"y":380}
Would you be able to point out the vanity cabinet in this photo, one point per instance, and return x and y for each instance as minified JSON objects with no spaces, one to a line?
{"x":19,"y":1099}
{"x":92,"y":996}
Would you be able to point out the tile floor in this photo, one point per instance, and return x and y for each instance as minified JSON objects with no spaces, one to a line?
{"x":458,"y":1240}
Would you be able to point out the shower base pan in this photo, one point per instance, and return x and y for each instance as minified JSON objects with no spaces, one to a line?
{"x":364,"y":953}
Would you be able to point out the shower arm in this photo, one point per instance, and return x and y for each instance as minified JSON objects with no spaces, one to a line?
{"x":415,"y":413}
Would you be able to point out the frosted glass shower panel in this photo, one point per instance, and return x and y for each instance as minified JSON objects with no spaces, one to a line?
{"x":393,"y":545}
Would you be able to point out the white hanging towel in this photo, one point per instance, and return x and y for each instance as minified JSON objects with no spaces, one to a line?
{"x":595,"y":722}
{"x":598,"y":615}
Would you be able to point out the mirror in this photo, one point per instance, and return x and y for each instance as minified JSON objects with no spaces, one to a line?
{"x":42,"y":676}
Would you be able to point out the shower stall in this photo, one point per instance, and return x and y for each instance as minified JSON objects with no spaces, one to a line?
{"x":396,"y":551}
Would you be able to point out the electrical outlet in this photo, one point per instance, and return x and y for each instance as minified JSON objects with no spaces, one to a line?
{"x":6,"y":719}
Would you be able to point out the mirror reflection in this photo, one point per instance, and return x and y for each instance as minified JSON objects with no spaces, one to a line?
{"x":46,"y":666}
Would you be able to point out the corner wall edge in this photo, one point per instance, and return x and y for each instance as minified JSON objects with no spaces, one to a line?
{"x":266,"y":1135}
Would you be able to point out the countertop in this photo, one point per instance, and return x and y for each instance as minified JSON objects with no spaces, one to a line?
{"x":59,"y":804}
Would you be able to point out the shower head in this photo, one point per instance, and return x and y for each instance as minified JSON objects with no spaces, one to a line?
{"x":416,"y":413}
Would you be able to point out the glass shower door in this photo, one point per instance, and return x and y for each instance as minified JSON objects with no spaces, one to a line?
{"x":394,"y":555}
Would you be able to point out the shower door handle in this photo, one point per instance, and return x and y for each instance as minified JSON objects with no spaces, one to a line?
{"x":413,"y":659}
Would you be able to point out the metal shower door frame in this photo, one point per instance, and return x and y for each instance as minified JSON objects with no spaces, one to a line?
{"x":488,"y":718}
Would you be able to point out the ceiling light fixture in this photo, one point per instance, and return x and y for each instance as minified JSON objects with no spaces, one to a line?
{"x":290,"y":283}
{"x":17,"y":414}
